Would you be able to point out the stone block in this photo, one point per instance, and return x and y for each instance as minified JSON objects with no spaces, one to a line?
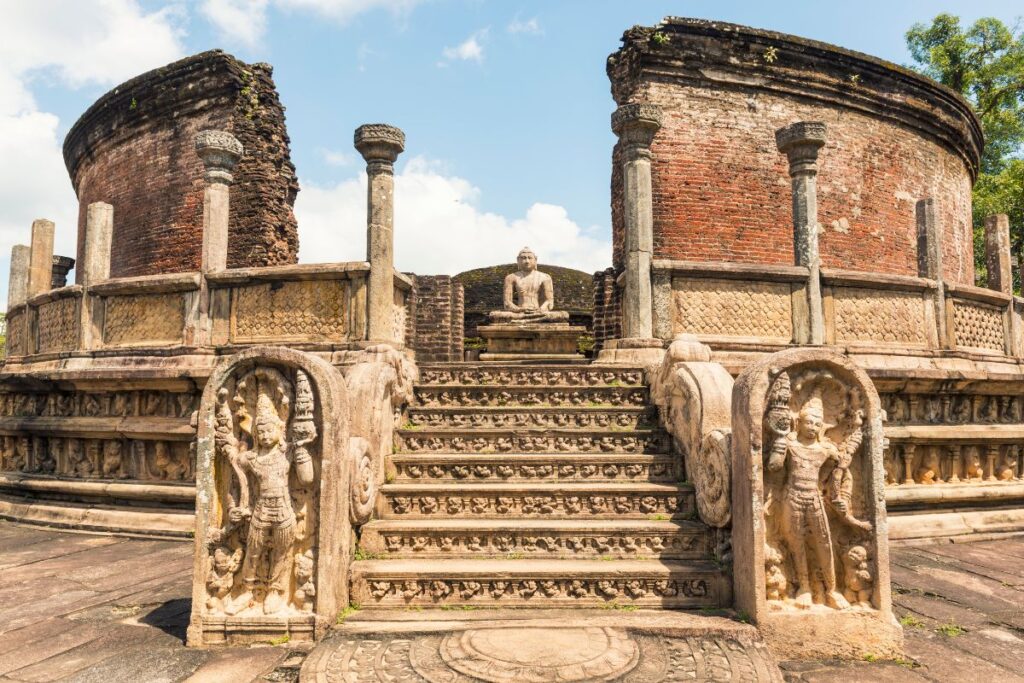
{"x":550,"y":342}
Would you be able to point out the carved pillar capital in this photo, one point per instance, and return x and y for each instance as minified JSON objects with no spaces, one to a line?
{"x":801,"y":142}
{"x":636,"y":125}
{"x":380,"y":145}
{"x":220,"y":152}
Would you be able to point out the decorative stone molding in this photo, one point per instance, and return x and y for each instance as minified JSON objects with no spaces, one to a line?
{"x":379,"y":142}
{"x":692,"y":395}
{"x":801,"y":142}
{"x":220,"y":152}
{"x":809,"y":521}
{"x":272,"y":499}
{"x":636,"y":124}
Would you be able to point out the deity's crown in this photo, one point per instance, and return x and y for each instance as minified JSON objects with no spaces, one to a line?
{"x":266,"y":413}
{"x":814,"y":404}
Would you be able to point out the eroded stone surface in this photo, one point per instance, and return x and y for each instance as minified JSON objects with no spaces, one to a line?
{"x":540,"y":655}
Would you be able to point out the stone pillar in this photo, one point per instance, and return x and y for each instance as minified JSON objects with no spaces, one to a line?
{"x":997,"y":253}
{"x":220,"y":152}
{"x":95,"y":267}
{"x":99,"y":228}
{"x":801,"y":142}
{"x":40,"y":270}
{"x":17,"y":285}
{"x":636,"y":125}
{"x":929,"y":263}
{"x":380,"y":146}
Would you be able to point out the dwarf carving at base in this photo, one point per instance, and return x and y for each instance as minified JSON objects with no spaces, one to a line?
{"x":221,"y":578}
{"x":777,"y":587}
{"x":858,"y":576}
{"x":928,"y":472}
{"x":975,"y":472}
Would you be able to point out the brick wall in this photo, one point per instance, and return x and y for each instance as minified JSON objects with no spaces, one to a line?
{"x":721,"y":187}
{"x":134,"y":148}
{"x":607,"y":309}
{"x":439,"y":311}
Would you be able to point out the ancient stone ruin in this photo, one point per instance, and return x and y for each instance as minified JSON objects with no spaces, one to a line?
{"x":794,"y":369}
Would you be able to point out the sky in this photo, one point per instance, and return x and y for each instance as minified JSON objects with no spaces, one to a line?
{"x":505,"y":105}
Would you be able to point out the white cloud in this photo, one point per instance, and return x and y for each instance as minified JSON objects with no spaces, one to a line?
{"x":333,"y":157}
{"x":529,"y":27}
{"x":244,"y":21}
{"x":79,"y":43}
{"x":471,"y":49}
{"x":439,"y":227}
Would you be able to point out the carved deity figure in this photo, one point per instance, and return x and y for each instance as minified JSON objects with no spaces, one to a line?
{"x":928,"y":472}
{"x":166,"y":465}
{"x":529,"y":295}
{"x":271,"y":474}
{"x":975,"y":471}
{"x":113,"y":460}
{"x":78,"y":463}
{"x":813,"y":485}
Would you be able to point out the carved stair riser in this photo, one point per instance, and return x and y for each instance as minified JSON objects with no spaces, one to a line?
{"x":555,"y":441}
{"x":683,"y":589}
{"x":493,"y":469}
{"x":531,"y":375}
{"x":627,"y":504}
{"x":549,"y":543}
{"x":566,"y":396}
{"x":452,"y":418}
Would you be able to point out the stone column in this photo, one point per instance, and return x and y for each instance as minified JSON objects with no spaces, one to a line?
{"x":17,"y":285}
{"x":380,"y":146}
{"x":636,"y":125}
{"x":99,"y":229}
{"x":801,"y":142}
{"x":929,"y":263}
{"x":220,"y":152}
{"x":40,"y":270}
{"x":997,"y":253}
{"x":95,"y":267}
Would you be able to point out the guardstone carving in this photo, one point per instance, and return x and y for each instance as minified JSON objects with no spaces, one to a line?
{"x":268,"y":535}
{"x":809,"y":524}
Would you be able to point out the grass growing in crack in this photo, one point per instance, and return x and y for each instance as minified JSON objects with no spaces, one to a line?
{"x":361,"y":554}
{"x":347,"y":612}
{"x":950,"y":629}
{"x":910,"y":621}
{"x":619,"y":607}
{"x":281,"y":640}
{"x":459,"y":608}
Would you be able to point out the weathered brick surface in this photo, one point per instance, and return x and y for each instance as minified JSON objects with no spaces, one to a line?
{"x":721,"y":187}
{"x":439,"y":310}
{"x":134,"y":149}
{"x":607,"y":308}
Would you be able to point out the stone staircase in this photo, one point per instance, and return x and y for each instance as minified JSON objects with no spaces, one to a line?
{"x":536,"y":486}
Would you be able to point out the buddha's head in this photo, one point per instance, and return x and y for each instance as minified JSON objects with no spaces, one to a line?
{"x":527,"y":260}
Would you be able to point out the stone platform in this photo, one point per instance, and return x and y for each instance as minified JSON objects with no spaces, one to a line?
{"x":547,"y":342}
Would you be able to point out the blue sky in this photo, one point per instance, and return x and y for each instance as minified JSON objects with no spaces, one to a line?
{"x":505,"y":105}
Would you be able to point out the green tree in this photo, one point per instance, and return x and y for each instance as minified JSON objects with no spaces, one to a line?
{"x":984,"y":63}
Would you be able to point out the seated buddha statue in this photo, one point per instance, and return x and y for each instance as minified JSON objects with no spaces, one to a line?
{"x":529,"y":295}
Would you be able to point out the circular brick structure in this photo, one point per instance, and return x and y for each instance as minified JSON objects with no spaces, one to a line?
{"x":721,"y":187}
{"x":134,"y":149}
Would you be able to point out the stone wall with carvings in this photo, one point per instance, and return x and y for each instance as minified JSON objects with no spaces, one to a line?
{"x":879,"y":316}
{"x":315,"y":310}
{"x":143,"y":319}
{"x":733,"y":308}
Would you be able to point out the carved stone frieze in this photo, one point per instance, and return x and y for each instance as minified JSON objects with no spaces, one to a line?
{"x":537,"y":468}
{"x":314,"y":310}
{"x":625,"y":418}
{"x":57,"y":325}
{"x":512,"y":442}
{"x":978,"y":326}
{"x":575,"y":376}
{"x":101,"y":459}
{"x":433,"y":396}
{"x":952,"y":409}
{"x":880,"y":316}
{"x":143,"y":403}
{"x":17,"y":337}
{"x":143,"y":318}
{"x":634,"y":503}
{"x":732,"y":308}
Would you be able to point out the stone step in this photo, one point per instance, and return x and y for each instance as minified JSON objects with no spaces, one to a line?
{"x":468,"y":440}
{"x":560,"y":395}
{"x":532,"y":467}
{"x":530,"y":375}
{"x":539,"y":583}
{"x":537,"y":538}
{"x":574,"y":417}
{"x":634,"y":500}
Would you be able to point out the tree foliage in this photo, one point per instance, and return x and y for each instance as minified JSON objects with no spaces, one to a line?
{"x":984,"y":63}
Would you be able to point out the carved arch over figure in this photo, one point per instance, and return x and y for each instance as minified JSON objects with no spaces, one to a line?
{"x":272,"y":497}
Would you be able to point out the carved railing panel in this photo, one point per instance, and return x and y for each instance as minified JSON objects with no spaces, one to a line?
{"x":313,"y":310}
{"x":57,"y":325}
{"x":978,"y":325}
{"x":881,"y":316}
{"x":732,"y":308}
{"x":17,"y":343}
{"x":144,"y":319}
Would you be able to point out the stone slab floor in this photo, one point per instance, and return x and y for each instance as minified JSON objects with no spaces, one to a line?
{"x":77,"y":607}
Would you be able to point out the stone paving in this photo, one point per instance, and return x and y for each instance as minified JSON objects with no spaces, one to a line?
{"x":78,"y":607}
